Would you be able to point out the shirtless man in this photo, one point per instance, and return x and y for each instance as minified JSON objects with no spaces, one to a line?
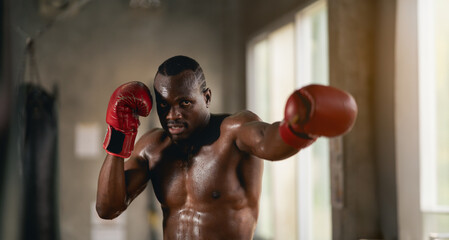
{"x":206,"y":169}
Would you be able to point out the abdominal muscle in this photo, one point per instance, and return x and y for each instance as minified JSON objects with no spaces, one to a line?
{"x":187,"y":223}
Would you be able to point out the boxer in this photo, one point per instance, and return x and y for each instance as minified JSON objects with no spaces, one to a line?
{"x":206,"y":169}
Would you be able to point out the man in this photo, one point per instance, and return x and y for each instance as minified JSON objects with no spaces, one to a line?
{"x":205,"y":168}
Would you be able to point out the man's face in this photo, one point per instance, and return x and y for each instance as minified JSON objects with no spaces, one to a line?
{"x":181,"y":105}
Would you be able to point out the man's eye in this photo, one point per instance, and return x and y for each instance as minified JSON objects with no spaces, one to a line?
{"x":163,"y":105}
{"x":185,"y":103}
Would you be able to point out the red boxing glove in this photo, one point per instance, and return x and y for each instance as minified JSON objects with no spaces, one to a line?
{"x":314,"y":111}
{"x":127,"y":102}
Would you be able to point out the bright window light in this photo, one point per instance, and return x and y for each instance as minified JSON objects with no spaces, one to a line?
{"x":434,"y":115}
{"x":295,"y":202}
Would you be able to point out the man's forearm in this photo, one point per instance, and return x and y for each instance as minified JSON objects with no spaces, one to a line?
{"x":264,"y":141}
{"x":111,"y":191}
{"x":274,"y":145}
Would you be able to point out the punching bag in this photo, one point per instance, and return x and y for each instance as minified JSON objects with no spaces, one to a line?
{"x":39,"y":164}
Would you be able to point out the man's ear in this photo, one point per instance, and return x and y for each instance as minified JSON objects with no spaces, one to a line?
{"x":207,"y":96}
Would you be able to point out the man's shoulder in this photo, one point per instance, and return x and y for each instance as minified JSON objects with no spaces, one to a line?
{"x":152,"y":139}
{"x":243,"y":116}
{"x":239,"y":118}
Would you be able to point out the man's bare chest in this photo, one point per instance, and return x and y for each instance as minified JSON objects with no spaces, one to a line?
{"x":202,"y":176}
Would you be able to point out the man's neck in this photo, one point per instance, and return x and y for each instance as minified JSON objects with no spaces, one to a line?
{"x":205,"y":135}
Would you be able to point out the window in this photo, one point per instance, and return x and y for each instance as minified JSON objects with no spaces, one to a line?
{"x":295,"y":202}
{"x":422,"y":132}
{"x":434,"y":114}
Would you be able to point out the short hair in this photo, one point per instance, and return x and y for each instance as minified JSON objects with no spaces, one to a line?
{"x":177,"y":64}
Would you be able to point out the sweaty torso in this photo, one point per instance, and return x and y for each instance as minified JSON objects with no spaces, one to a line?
{"x":210,"y":191}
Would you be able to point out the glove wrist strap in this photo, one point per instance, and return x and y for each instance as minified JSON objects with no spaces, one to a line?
{"x":118,"y":143}
{"x":296,"y":140}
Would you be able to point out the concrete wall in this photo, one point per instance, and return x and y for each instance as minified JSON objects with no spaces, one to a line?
{"x":384,"y":113}
{"x":361,"y":61}
{"x":352,"y":49}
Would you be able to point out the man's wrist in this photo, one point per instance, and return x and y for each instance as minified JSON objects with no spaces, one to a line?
{"x":294,"y":139}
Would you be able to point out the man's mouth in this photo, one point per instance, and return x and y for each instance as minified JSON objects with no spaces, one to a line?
{"x":176,"y":129}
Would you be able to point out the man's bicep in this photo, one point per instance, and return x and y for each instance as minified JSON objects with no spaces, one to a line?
{"x":137,"y":166}
{"x":250,"y":136}
{"x":137,"y":176}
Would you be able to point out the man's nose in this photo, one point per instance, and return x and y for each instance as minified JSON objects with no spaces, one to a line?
{"x":173,"y":113}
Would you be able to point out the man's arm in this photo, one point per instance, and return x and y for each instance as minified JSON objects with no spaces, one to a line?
{"x":120,"y":182}
{"x":310,"y":112}
{"x":263,"y":140}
